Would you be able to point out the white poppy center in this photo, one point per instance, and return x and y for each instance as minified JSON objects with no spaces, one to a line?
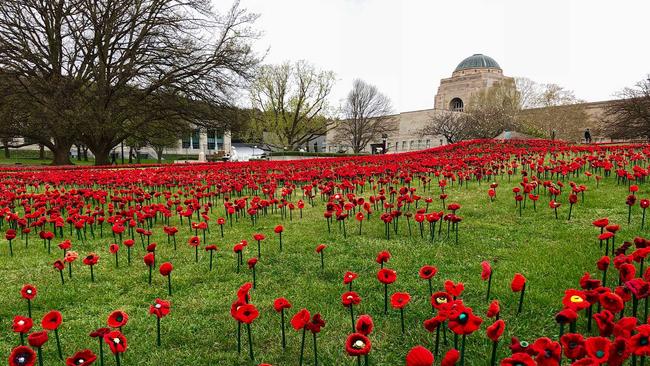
{"x":21,"y":359}
{"x":158,"y":306}
{"x":21,"y":322}
{"x":349,"y":297}
{"x":359,"y":344}
{"x":116,"y":340}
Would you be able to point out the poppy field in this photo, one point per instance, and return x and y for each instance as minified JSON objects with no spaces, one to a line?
{"x":477,"y":253}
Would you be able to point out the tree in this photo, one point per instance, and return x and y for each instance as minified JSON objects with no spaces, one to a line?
{"x":366,"y":117}
{"x":453,"y":126}
{"x":558,"y":112}
{"x":629,"y":116}
{"x":87,"y":68}
{"x":291,"y":103}
{"x":493,"y":110}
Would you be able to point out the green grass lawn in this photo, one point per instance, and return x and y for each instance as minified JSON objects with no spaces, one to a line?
{"x":551,"y":253}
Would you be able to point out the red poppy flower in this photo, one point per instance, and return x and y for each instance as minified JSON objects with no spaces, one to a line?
{"x":603,"y":263}
{"x":91,"y":259}
{"x":22,"y":356}
{"x":51,"y":320}
{"x":281,"y":303}
{"x":605,"y":322}
{"x":613,"y":228}
{"x":117,"y":319}
{"x":625,"y":326}
{"x":129,"y":243}
{"x":454,"y":289}
{"x":82,"y":358}
{"x":386,"y":276}
{"x":451,"y":357}
{"x":246,"y":313}
{"x":427,"y":272}
{"x":357,"y":344}
{"x":252,"y":262}
{"x":640,"y":342}
{"x":399,"y":300}
{"x":159,"y":308}
{"x":382,"y":257}
{"x":113,"y":248}
{"x":151,"y":247}
{"x":71,"y":256}
{"x":463,"y":321}
{"x":644,"y":203}
{"x":243,"y":293}
{"x":300,"y":320}
{"x":59,"y":265}
{"x":619,"y":351}
{"x":278,"y":229}
{"x":432,"y":324}
{"x":494,"y":309}
{"x":486,"y":270}
{"x":320,"y":248}
{"x":28,"y":292}
{"x":359,"y":216}
{"x":548,"y":352}
{"x":598,"y":349}
{"x":612,"y":302}
{"x":22,"y":324}
{"x":573,"y":345}
{"x":495,"y":330}
{"x":419,"y":356}
{"x":626,"y":272}
{"x":518,"y":359}
{"x":566,"y":316}
{"x":348,"y":277}
{"x":258,"y":237}
{"x":439,"y":299}
{"x":10,"y":234}
{"x":350,"y":298}
{"x":575,"y":299}
{"x":364,"y":325}
{"x":65,"y":245}
{"x":518,"y":282}
{"x":601,"y":222}
{"x":316,"y":323}
{"x":166,"y":268}
{"x":116,"y":341}
{"x":194,"y":241}
{"x":149,"y":259}
{"x":37,"y":339}
{"x":99,"y":332}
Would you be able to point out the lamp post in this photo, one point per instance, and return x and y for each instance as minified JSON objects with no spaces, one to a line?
{"x":384,"y":137}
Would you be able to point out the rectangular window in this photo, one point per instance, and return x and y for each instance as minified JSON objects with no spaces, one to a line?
{"x":411,"y":145}
{"x":403,"y":145}
{"x":419,"y":144}
{"x":212,"y":142}
{"x":195,"y":139}
{"x":428,"y":143}
{"x":186,"y":142}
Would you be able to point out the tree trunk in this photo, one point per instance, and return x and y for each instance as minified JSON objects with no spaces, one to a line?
{"x":61,"y":154}
{"x":78,"y":152}
{"x":102,"y":155}
{"x":130,"y":155}
{"x":84,"y":151}
{"x":159,"y":154}
{"x":41,"y":152}
{"x":7,"y":152}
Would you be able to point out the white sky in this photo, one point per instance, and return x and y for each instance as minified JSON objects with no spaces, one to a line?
{"x":592,"y":47}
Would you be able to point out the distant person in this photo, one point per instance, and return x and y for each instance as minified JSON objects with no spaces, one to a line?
{"x":553,"y":135}
{"x":587,"y":137}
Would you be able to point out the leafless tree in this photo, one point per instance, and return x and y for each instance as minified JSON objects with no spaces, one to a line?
{"x":86,"y":69}
{"x":366,"y":117}
{"x":629,"y":117}
{"x":291,"y":103}
{"x":453,"y":126}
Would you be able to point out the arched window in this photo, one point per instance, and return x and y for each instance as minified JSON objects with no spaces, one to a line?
{"x":456,"y":105}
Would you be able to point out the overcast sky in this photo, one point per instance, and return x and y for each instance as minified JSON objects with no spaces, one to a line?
{"x":405,"y":47}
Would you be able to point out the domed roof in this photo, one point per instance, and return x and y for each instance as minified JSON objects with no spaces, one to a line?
{"x":478,"y":61}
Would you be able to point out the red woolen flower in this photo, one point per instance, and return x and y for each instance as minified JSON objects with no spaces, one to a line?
{"x":281,"y":303}
{"x":258,"y":237}
{"x":28,"y":292}
{"x":386,"y":276}
{"x":486,"y":270}
{"x":91,"y":259}
{"x":575,"y":299}
{"x":518,"y":359}
{"x":278,"y":229}
{"x":160,"y":308}
{"x":573,"y":345}
{"x":364,"y":325}
{"x":22,"y":356}
{"x":300,"y":320}
{"x":129,"y":243}
{"x":117,"y":319}
{"x":316,"y":323}
{"x":10,"y":234}
{"x":116,"y":341}
{"x":427,"y":272}
{"x":21,"y":324}
{"x":348,"y":277}
{"x":439,"y":299}
{"x":113,"y":248}
{"x":382,"y":257}
{"x":252,"y":262}
{"x":194,"y":241}
{"x":566,"y":316}
{"x":246,"y":313}
{"x":320,"y":248}
{"x":598,"y":349}
{"x":399,"y":300}
{"x":603,"y":263}
{"x":612,"y":302}
{"x":463,"y":321}
{"x":350,"y":298}
{"x":494,"y":309}
{"x":644,"y":203}
{"x":166,"y":268}
{"x":518,"y":282}
{"x":454,"y":289}
{"x":548,"y":352}
{"x":495,"y":330}
{"x":149,"y":259}
{"x":59,"y":265}
{"x":151,"y":247}
{"x":419,"y":356}
{"x":51,"y":320}
{"x":357,"y":344}
{"x":451,"y":358}
{"x":37,"y":339}
{"x":82,"y":358}
{"x":605,"y":322}
{"x":359,"y":216}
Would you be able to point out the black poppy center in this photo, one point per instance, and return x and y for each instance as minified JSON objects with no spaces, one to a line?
{"x":463,"y":318}
{"x":119,"y":317}
{"x":643,"y":341}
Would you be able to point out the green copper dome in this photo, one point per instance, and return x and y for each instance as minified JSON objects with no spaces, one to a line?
{"x":478,"y":61}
